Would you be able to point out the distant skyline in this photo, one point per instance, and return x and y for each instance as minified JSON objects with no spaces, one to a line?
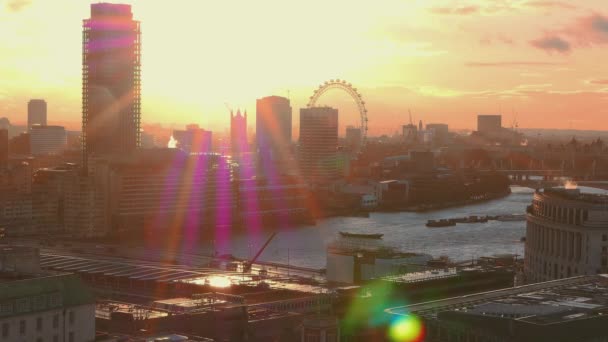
{"x":447,"y":61}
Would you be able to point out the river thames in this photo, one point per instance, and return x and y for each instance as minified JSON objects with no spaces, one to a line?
{"x":406,"y":231}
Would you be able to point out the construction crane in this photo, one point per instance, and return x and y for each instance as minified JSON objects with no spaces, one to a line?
{"x":247,"y":264}
{"x":228,"y":107}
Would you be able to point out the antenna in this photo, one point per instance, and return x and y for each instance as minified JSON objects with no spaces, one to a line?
{"x":410,"y":112}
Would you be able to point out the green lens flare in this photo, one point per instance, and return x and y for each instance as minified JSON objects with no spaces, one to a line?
{"x":406,"y":329}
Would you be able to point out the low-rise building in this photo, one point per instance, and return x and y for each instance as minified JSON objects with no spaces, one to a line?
{"x":42,"y":306}
{"x":573,"y":309}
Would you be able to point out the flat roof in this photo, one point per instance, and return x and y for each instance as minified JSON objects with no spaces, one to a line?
{"x":541,"y":303}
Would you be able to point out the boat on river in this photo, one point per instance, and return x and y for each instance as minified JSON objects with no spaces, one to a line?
{"x":362,"y":235}
{"x":440,"y":223}
{"x":514,"y":217}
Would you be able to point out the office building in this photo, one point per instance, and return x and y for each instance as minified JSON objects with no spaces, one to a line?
{"x":273,"y":128}
{"x":440,"y":133}
{"x":410,"y":133}
{"x":319,"y":144}
{"x":3,"y":148}
{"x":20,"y":144}
{"x":45,"y":140}
{"x":153,"y":188}
{"x":321,"y":329}
{"x":489,"y":123}
{"x":238,"y":133}
{"x":566,"y":235}
{"x":193,"y":139}
{"x":111,"y":81}
{"x":564,"y":310}
{"x":36,"y":113}
{"x":353,"y":137}
{"x":42,"y":306}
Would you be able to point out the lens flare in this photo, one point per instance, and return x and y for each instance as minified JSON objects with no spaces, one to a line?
{"x":218,"y":281}
{"x":406,"y":329}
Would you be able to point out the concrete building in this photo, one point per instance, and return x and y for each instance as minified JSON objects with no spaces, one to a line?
{"x":410,"y":133}
{"x":354,"y":259}
{"x":39,"y":306}
{"x":152,"y":188}
{"x":319,"y":144}
{"x":321,"y":329}
{"x":566,"y":235}
{"x":46,"y":140}
{"x":238,"y":133}
{"x":563,"y":310}
{"x":111,"y":97}
{"x":36,"y":113}
{"x":489,"y":124}
{"x":193,"y":140}
{"x":3,"y":148}
{"x":273,"y":128}
{"x":353,"y":137}
{"x":440,"y":132}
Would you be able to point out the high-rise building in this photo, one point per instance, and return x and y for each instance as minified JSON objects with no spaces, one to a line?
{"x":273,"y":127}
{"x":319,"y":143}
{"x":566,"y":235}
{"x":238,"y":133}
{"x":489,"y":123}
{"x":111,"y":81}
{"x":353,"y":137}
{"x":193,"y":139}
{"x":47,"y":140}
{"x":36,"y":113}
{"x":3,"y":148}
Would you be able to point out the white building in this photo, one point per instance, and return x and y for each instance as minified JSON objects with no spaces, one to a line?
{"x":356,"y":258}
{"x":47,"y":139}
{"x":37,"y":306}
{"x":567,"y":235}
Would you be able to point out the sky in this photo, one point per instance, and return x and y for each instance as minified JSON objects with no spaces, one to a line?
{"x":539,"y":63}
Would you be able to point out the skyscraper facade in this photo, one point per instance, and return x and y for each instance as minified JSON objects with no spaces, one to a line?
{"x":110,"y":80}
{"x":46,"y":140}
{"x":273,"y":128}
{"x":3,"y":148}
{"x":36,"y":113}
{"x":238,"y":133}
{"x":319,"y":143}
{"x":489,"y":123}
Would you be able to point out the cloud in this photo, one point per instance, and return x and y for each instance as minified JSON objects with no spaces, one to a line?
{"x":464,"y":10}
{"x":590,"y":30}
{"x":603,"y":81}
{"x":17,"y":5}
{"x":552,"y":44}
{"x":510,"y":64}
{"x":500,"y":38}
{"x":549,"y":4}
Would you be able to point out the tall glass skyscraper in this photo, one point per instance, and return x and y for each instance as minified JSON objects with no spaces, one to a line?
{"x":110,"y":80}
{"x":36,"y":113}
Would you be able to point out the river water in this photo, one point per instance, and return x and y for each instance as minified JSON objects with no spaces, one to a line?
{"x":406,"y":231}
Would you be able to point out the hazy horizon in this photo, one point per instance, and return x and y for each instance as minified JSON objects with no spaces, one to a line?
{"x":446,"y":61}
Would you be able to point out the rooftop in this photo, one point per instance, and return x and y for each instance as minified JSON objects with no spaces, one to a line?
{"x":540,"y":304}
{"x":575,"y":195}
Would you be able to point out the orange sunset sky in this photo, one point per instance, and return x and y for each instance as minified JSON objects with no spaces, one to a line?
{"x":445,"y":60}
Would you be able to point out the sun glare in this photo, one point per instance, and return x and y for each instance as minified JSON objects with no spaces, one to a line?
{"x":219,"y":281}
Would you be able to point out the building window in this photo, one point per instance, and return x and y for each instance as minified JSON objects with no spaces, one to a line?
{"x":5,"y":329}
{"x":22,"y":327}
{"x":604,"y":237}
{"x":56,"y":321}
{"x":39,"y":324}
{"x":71,"y":317}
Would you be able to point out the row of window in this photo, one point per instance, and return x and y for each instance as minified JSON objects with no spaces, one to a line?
{"x":560,"y":214}
{"x":6,"y":327}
